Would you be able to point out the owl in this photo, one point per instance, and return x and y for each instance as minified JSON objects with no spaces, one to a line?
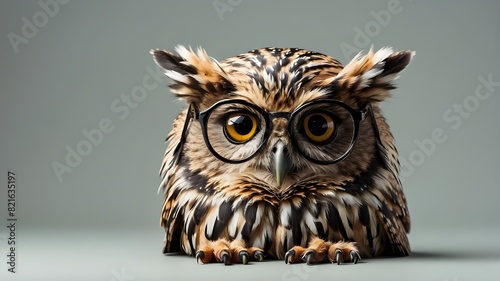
{"x":282,"y":153}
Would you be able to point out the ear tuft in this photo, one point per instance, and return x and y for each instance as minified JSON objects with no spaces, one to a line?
{"x":171,"y":62}
{"x":195,"y":76}
{"x":396,"y":62}
{"x":370,"y":78}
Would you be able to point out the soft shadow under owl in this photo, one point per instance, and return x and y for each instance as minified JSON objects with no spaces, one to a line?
{"x":282,"y":153}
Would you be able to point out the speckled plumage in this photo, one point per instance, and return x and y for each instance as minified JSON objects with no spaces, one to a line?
{"x":359,"y":199}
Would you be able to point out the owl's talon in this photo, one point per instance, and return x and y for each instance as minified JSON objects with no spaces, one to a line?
{"x":243,"y":256}
{"x":289,"y":256}
{"x":225,"y":258}
{"x":227,"y":252}
{"x":355,"y":257}
{"x":308,"y":257}
{"x":199,"y":256}
{"x":338,"y":256}
{"x":258,"y":255}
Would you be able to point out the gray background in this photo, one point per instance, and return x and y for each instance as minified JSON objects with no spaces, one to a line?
{"x":100,"y":221}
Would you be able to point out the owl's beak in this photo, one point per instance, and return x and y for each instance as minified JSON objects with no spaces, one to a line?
{"x":281,"y":165}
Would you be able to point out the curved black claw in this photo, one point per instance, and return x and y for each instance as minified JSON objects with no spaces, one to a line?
{"x":308,"y":257}
{"x":258,"y":255}
{"x":355,"y":257}
{"x":244,"y":257}
{"x":199,"y":255}
{"x":338,"y":256}
{"x":225,"y":258}
{"x":289,"y":256}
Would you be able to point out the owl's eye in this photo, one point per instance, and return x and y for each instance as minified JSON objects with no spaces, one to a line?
{"x":240,"y":127}
{"x":319,"y":127}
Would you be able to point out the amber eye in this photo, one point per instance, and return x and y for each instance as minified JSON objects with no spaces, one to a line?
{"x":240,"y":127}
{"x":319,"y":127}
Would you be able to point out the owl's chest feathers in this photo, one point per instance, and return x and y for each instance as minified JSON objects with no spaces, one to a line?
{"x":277,"y":225}
{"x":276,"y":218}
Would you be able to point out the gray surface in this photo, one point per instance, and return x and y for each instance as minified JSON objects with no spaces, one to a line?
{"x":65,"y":254}
{"x":103,"y":216}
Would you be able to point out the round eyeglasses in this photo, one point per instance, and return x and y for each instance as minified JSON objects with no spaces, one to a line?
{"x":324,"y":131}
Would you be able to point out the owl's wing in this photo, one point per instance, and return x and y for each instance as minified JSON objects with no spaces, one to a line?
{"x":172,"y":224}
{"x":171,"y":219}
{"x":393,"y":213}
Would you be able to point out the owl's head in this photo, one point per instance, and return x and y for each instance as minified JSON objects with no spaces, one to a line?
{"x":278,"y":114}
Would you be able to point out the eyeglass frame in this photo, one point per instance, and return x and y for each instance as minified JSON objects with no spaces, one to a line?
{"x":202,"y":117}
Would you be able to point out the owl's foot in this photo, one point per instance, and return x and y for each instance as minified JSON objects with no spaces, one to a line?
{"x":319,"y":251}
{"x":227,"y":252}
